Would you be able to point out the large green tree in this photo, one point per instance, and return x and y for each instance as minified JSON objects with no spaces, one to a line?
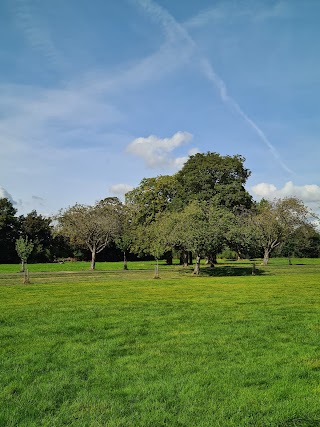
{"x":152,"y":197}
{"x":209,"y":179}
{"x":215,"y":178}
{"x":9,"y":231}
{"x":38,"y":229}
{"x":92,"y":227}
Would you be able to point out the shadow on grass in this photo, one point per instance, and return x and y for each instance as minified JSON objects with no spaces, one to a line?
{"x":230,"y":271}
{"x":300,"y":422}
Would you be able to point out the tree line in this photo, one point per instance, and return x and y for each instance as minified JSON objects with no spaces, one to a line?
{"x":198,"y":212}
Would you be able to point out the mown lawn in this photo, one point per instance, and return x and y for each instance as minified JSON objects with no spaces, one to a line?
{"x":84,"y":266}
{"x":123,"y":349}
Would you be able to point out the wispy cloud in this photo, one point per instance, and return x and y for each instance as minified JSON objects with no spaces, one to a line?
{"x":205,"y":17}
{"x":120,"y":189}
{"x":36,"y":34}
{"x":156,"y":151}
{"x":49,"y":117}
{"x":254,"y":12}
{"x":4,"y":194}
{"x":172,"y":27}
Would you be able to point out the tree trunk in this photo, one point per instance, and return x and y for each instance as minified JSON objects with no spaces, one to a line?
{"x":93,"y":259}
{"x":26,"y":279}
{"x":190,"y":258}
{"x":22,"y":266}
{"x":211,"y":259}
{"x":197,"y":266}
{"x":254,"y":270}
{"x":184,"y":258}
{"x":169,"y":258}
{"x":125,"y":264}
{"x":156,"y":270}
{"x":266,"y":256}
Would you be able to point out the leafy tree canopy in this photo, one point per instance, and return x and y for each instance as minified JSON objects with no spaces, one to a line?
{"x":38,"y":229}
{"x":213,"y":177}
{"x":92,"y":227}
{"x":9,"y":228}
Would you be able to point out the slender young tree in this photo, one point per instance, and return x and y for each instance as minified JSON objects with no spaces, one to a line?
{"x":24,"y":247}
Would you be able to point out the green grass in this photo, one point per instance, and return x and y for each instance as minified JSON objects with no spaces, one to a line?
{"x":77,"y":266}
{"x":112,"y":348}
{"x":141,"y":265}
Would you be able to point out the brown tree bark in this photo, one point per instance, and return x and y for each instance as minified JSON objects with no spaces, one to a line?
{"x":184,"y":258}
{"x":197,"y":265}
{"x":93,"y":259}
{"x":266,"y":256}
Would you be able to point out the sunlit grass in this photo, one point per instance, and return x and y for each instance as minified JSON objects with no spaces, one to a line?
{"x":143,"y":265}
{"x":123,"y":349}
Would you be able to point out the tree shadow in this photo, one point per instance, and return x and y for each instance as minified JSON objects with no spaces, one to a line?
{"x":230,"y":271}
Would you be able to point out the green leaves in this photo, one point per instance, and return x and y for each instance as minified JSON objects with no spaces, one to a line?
{"x":93,"y":227}
{"x":24,"y":247}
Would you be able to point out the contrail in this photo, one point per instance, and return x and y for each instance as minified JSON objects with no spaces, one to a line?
{"x":175,"y":31}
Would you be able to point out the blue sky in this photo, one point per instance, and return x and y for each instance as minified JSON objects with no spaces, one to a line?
{"x":96,"y":95}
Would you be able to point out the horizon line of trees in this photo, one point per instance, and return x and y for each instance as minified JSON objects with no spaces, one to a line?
{"x":201,"y":211}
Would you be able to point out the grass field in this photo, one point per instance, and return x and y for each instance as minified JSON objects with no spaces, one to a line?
{"x":119,"y":348}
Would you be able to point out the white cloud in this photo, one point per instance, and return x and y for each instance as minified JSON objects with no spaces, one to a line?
{"x":309,"y":194}
{"x":180,"y":161}
{"x":120,"y":189}
{"x":4,"y":194}
{"x":156,"y":151}
{"x":264,"y":190}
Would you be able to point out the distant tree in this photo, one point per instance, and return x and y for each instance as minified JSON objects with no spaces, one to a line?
{"x":24,"y":248}
{"x":304,"y":242}
{"x":125,"y":239}
{"x":92,"y":227}
{"x":9,"y":231}
{"x":62,"y":248}
{"x":38,"y":229}
{"x":275,"y":222}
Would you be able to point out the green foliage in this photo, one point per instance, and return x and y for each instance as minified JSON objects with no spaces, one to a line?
{"x":276,"y":222}
{"x":240,"y":235}
{"x":190,"y":210}
{"x":228,"y":254}
{"x":303,"y":242}
{"x":92,"y":227}
{"x":9,"y":231}
{"x":215,"y":178}
{"x":152,"y":197}
{"x":24,"y":248}
{"x":38,"y":229}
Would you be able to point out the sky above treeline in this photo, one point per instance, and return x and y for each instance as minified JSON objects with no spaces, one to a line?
{"x":96,"y":95}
